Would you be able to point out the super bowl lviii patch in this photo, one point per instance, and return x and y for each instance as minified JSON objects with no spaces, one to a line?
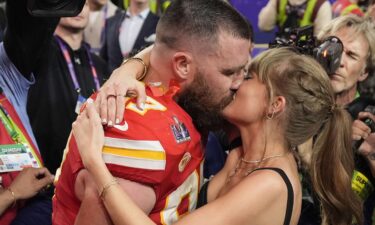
{"x":179,"y":130}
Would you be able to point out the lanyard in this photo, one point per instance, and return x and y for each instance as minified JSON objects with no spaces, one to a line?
{"x":15,"y":132}
{"x":72,"y":72}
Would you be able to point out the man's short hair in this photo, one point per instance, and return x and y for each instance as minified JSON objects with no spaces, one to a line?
{"x":359,"y":25}
{"x":200,"y":21}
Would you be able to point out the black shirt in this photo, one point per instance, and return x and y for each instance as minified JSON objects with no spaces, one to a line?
{"x":53,"y":98}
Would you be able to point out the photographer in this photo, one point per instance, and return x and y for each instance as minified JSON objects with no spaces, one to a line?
{"x":294,"y":13}
{"x":19,"y":54}
{"x":357,"y":61}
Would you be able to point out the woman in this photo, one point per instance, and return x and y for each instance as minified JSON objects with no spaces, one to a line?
{"x":285,"y":99}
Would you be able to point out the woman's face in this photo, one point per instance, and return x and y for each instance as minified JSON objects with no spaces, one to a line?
{"x":250,"y":102}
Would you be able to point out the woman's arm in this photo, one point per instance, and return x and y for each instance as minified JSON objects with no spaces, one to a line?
{"x":89,"y":135}
{"x":257,"y":198}
{"x":111,"y":97}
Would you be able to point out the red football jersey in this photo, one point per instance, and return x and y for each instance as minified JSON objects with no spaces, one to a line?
{"x":158,"y":146}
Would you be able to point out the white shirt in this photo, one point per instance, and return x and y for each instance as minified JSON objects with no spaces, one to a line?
{"x":93,"y":33}
{"x":130,"y":29}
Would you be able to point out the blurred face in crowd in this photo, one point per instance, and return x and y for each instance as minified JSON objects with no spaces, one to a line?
{"x":219,"y":74}
{"x":353,"y":62}
{"x":78,"y":22}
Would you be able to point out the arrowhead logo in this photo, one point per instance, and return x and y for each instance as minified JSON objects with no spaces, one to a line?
{"x":123,"y":127}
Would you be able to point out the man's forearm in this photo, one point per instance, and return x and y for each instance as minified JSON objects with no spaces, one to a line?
{"x":26,"y":37}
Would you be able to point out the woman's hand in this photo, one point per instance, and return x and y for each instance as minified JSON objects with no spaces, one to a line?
{"x":89,"y":135}
{"x":122,"y":83}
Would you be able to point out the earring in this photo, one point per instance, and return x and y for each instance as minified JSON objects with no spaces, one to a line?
{"x":272,"y":115}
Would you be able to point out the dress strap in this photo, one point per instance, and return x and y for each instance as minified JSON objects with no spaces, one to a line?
{"x":289,"y":206}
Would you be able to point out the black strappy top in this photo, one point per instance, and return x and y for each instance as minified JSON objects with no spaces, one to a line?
{"x":290,"y":200}
{"x":202,"y":199}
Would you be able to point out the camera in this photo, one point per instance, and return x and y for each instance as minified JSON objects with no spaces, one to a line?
{"x":327,"y":52}
{"x":55,"y":8}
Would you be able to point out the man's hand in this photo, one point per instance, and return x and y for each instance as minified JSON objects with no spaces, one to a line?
{"x":30,"y":181}
{"x":359,"y":128}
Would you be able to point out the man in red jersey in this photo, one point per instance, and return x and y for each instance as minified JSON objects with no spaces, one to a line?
{"x":156,"y":152}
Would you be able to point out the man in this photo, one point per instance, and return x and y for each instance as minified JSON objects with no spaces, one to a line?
{"x":67,"y":75}
{"x":294,"y":13}
{"x":156,"y":152}
{"x":129,"y":32}
{"x":100,"y":11}
{"x":358,"y":60}
{"x":20,"y":53}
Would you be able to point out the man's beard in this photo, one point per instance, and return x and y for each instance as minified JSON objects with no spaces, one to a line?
{"x":199,"y":101}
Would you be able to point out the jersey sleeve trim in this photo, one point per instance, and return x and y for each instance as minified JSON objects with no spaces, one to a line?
{"x":142,"y":154}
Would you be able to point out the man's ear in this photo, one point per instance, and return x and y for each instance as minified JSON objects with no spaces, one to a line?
{"x":182,"y":65}
{"x":364,"y":74}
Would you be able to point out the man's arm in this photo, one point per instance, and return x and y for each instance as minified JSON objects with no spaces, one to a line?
{"x":93,"y":211}
{"x":267,"y":16}
{"x":26,"y":38}
{"x":323,"y":17}
{"x":89,"y":136}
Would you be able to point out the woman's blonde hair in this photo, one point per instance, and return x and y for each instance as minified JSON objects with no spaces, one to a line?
{"x":310,"y":111}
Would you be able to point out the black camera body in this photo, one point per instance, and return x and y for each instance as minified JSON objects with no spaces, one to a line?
{"x":327,"y":52}
{"x":55,"y":8}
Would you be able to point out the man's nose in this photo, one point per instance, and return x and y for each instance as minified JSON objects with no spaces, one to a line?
{"x":237,"y":80}
{"x":342,"y":60}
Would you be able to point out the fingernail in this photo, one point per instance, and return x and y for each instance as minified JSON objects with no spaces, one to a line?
{"x":110,"y":123}
{"x":89,"y":101}
{"x":117,"y":121}
{"x":104,"y":121}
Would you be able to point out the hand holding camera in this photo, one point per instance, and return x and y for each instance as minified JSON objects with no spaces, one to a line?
{"x":362,"y":111}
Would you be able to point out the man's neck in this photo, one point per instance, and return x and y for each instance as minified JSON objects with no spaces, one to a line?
{"x":95,"y":6}
{"x":346,"y":97}
{"x":156,"y":79}
{"x":72,"y":37}
{"x":137,"y":8}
